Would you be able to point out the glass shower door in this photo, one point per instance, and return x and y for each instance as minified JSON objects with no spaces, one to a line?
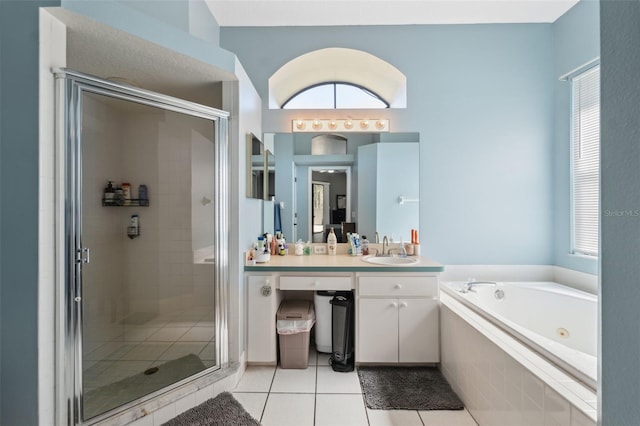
{"x":147,"y":282}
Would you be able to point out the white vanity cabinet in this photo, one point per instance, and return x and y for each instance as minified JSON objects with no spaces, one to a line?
{"x":398,"y":319}
{"x":262,"y":306}
{"x":396,"y":308}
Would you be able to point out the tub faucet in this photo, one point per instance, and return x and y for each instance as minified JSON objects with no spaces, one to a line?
{"x":468,"y":286}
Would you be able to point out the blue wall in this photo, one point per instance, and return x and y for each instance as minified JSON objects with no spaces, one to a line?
{"x":19,"y":211}
{"x":619,"y":375}
{"x":576,"y":41}
{"x":481,"y":97}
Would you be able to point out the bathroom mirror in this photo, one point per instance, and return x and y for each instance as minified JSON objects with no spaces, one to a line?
{"x":255,"y":167}
{"x":269,"y":216}
{"x":270,"y":175}
{"x":382,"y":193}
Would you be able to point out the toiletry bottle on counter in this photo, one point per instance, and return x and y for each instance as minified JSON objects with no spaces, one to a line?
{"x":281,"y":243}
{"x":332,"y":243}
{"x":365,"y":246}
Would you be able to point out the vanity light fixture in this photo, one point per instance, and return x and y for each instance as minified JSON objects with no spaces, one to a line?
{"x":340,"y":125}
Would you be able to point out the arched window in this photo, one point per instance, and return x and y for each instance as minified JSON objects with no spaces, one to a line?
{"x":337,"y":78}
{"x":335,"y":95}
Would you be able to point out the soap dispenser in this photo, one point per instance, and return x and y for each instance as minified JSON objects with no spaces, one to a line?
{"x":332,"y":243}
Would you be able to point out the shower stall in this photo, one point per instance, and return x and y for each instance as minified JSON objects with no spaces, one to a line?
{"x":143,"y":211}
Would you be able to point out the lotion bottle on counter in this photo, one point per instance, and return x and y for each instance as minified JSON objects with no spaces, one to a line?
{"x":332,"y":243}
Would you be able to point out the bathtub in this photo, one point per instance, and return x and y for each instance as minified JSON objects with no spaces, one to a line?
{"x":557,"y":322}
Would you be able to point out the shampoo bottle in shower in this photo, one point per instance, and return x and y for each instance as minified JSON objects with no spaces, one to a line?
{"x":133,"y":230}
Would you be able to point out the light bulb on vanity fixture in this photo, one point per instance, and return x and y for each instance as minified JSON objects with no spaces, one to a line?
{"x":340,"y":125}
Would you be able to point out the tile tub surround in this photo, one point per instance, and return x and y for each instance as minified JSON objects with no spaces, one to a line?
{"x":499,"y":383}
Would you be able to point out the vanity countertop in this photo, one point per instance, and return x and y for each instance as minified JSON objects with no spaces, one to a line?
{"x":338,"y":263}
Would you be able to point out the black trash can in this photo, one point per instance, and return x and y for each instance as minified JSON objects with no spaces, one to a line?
{"x":342,"y":327}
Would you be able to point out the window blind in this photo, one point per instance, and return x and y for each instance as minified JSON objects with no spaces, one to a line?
{"x":586,"y":160}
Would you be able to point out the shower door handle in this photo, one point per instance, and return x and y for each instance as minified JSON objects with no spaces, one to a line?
{"x":83,"y":255}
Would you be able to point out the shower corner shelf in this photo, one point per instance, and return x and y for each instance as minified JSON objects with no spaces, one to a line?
{"x":133,"y":202}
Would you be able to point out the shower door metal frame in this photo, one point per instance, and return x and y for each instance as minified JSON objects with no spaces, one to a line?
{"x":70,"y":85}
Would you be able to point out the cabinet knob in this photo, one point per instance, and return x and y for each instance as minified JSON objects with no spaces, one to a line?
{"x":404,"y":305}
{"x":398,"y":286}
{"x":394,"y":305}
{"x":266,"y":290}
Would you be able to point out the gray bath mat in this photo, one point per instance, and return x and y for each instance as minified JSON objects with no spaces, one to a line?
{"x":223,"y":410}
{"x":407,"y":388}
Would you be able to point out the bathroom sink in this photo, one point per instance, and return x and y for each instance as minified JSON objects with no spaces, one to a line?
{"x":383,"y":260}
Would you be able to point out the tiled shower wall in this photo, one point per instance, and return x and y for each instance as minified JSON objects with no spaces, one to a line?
{"x":495,"y":388}
{"x":103,"y":289}
{"x":154,"y":273}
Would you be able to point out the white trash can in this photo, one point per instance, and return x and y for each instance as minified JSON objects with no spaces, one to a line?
{"x":323,"y":336}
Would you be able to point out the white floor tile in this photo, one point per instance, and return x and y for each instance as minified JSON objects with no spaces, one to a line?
{"x":330,"y":381}
{"x":340,"y":410}
{"x":323,"y":359}
{"x":252,"y":402}
{"x":313,"y":355}
{"x":295,"y":380}
{"x":393,"y":418}
{"x":447,"y":418}
{"x":284,"y":409}
{"x":256,"y":379}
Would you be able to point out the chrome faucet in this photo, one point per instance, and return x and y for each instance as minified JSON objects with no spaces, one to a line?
{"x":468,"y":286}
{"x":385,"y":242}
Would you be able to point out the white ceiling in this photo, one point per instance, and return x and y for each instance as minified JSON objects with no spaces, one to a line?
{"x":233,"y":13}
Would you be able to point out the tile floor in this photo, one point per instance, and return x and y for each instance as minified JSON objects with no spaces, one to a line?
{"x":319,"y":396}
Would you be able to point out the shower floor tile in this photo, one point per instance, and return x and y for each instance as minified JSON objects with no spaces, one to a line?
{"x":168,"y":334}
{"x":146,"y":351}
{"x":198,"y":334}
{"x":157,"y":340}
{"x":180,"y":349}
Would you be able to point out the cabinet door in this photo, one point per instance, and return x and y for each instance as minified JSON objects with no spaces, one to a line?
{"x":377,"y":330}
{"x":418,"y":330}
{"x":261,"y":320}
